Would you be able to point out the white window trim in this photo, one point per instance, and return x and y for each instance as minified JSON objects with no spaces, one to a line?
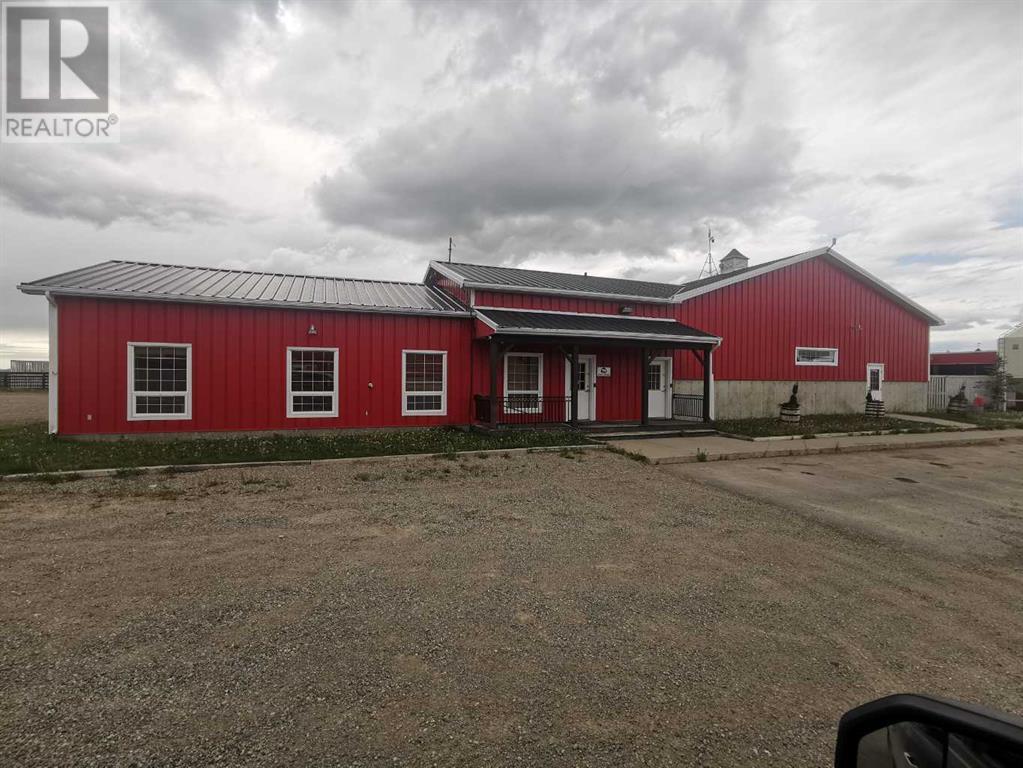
{"x":132,"y":415}
{"x":825,"y":363}
{"x":538,"y":391}
{"x":292,"y":414}
{"x":443,"y":411}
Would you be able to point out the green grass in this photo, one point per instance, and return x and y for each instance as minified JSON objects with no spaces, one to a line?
{"x":818,"y":424}
{"x":984,"y":419}
{"x":28,"y":448}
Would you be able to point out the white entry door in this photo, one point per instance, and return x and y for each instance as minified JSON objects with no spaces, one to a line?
{"x":658,"y":388}
{"x":875,"y":380}
{"x":586,"y":387}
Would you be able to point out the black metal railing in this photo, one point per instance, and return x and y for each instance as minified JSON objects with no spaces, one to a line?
{"x":524,"y":409}
{"x":24,"y":380}
{"x":687,"y":406}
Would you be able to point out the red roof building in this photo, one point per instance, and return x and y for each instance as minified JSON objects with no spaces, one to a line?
{"x":138,"y":347}
{"x":978,"y":363}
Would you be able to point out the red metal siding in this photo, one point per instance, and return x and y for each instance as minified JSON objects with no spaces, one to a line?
{"x":618,"y":395}
{"x":810,"y":304}
{"x":239,"y":361}
{"x":449,"y":286}
{"x":964,"y":358}
{"x":569,"y":304}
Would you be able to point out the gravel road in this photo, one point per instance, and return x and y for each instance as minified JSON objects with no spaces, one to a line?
{"x":539,"y":609}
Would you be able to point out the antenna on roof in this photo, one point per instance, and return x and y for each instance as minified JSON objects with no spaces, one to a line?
{"x":451,"y":245}
{"x":708,"y":265}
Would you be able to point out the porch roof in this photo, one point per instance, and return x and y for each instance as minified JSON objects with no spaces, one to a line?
{"x":602,"y":328}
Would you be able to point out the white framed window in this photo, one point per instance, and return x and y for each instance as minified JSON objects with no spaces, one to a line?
{"x":159,"y":381}
{"x":817,"y":356}
{"x":424,"y":382}
{"x":312,"y":382}
{"x":523,"y":381}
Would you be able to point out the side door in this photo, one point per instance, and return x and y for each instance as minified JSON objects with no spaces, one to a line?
{"x":875,"y":380}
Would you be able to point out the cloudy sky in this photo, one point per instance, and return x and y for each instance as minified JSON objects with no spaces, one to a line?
{"x":353,"y":139}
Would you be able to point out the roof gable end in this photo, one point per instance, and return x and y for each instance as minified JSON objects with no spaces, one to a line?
{"x":707,"y":285}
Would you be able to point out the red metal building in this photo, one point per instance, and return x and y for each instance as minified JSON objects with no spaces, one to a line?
{"x":161,"y":348}
{"x":977,"y":363}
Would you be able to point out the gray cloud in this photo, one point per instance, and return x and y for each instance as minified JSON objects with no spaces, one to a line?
{"x":517,"y":170}
{"x":201,"y":28}
{"x":496,"y":34}
{"x":628,"y":53}
{"x":79,"y":185}
{"x":895,"y":180}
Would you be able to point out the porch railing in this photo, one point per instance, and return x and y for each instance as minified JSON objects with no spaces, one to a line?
{"x":524,"y":409}
{"x":687,"y":406}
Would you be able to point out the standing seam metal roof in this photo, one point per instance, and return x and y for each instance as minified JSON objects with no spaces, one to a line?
{"x":480,"y":275}
{"x":509,"y":321}
{"x":167,"y":282}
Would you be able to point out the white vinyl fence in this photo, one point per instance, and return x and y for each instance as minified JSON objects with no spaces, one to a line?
{"x":941,"y":388}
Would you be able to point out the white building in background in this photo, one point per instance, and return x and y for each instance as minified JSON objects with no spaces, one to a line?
{"x":1010,"y":349}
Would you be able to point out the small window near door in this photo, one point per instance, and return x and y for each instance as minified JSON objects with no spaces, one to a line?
{"x":159,"y":381}
{"x":816,"y":356}
{"x":583,"y":378}
{"x":653,"y":376}
{"x":312,"y":382}
{"x":875,"y":379}
{"x":424,"y":383}
{"x":523,"y":381}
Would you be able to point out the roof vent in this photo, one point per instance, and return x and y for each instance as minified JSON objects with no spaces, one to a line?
{"x":733,"y":262}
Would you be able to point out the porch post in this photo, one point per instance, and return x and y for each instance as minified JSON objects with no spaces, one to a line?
{"x":645,"y":401}
{"x":495,"y":355}
{"x":573,"y":386}
{"x":706,"y":383}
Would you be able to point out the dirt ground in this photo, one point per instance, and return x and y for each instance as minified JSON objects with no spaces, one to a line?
{"x":22,"y":407}
{"x":530,"y":610}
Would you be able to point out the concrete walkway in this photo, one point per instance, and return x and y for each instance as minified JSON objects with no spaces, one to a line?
{"x":932,"y":420}
{"x":681,"y":450}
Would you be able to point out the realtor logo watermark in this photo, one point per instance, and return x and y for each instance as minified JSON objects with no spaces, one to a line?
{"x":61,"y":72}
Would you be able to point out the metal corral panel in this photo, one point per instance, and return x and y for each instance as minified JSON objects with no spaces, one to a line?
{"x":136,"y":280}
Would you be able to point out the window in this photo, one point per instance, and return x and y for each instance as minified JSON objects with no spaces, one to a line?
{"x":523,"y":381}
{"x":312,"y":382}
{"x":159,"y":381}
{"x":424,"y":376}
{"x":816,"y":356}
{"x":653,"y":376}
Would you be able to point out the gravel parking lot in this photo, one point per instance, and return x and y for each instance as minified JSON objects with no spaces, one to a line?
{"x":543,"y":609}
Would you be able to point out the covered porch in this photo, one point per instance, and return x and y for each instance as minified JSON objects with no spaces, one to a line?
{"x":587,"y":371}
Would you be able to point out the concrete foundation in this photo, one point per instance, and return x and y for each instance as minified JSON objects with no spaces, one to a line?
{"x":753,"y":399}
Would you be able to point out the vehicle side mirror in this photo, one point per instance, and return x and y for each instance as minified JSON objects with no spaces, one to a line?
{"x":911,"y":731}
